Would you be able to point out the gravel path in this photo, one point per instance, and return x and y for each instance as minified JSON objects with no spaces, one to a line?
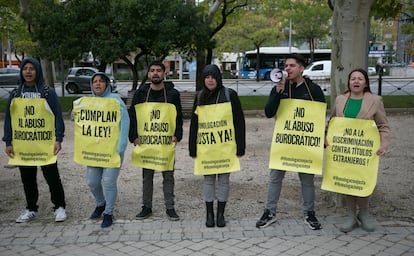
{"x":391,"y":199}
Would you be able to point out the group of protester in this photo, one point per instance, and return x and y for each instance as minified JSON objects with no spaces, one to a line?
{"x":34,"y":130}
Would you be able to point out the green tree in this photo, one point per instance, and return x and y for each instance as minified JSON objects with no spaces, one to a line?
{"x":218,"y":12}
{"x":252,"y":31}
{"x":407,"y":17}
{"x":13,"y":28}
{"x":310,"y":21}
{"x":350,"y":36}
{"x":152,"y":29}
{"x":134,"y":31}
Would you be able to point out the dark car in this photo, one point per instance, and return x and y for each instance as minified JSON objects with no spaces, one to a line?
{"x":78,"y":80}
{"x":9,"y":77}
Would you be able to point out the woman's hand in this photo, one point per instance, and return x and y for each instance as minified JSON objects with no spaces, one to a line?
{"x":381,"y":151}
{"x":57,"y":147}
{"x":10,"y":151}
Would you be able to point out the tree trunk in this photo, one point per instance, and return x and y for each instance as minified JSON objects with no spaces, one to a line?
{"x":201,"y":62}
{"x":48,"y":72}
{"x":257,"y":62}
{"x":350,"y":38}
{"x":209,"y":57}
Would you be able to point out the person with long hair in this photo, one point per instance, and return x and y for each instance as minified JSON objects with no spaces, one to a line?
{"x":359,"y":102}
{"x":216,"y":102}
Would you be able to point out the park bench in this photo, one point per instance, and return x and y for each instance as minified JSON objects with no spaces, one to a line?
{"x":187,"y":101}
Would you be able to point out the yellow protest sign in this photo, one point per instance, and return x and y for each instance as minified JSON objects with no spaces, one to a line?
{"x":33,"y":126}
{"x":97,"y":131}
{"x":351,"y":162}
{"x":216,"y":143}
{"x":156,"y":123}
{"x":298,"y":137}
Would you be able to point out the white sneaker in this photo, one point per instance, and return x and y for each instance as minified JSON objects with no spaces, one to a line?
{"x":26,"y":216}
{"x":60,"y":214}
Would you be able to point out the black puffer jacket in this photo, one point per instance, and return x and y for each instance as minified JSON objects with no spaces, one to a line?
{"x":140,"y":96}
{"x":208,"y":97}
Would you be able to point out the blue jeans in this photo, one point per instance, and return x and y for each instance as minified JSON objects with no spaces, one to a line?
{"x":275,"y":186}
{"x":103,"y":184}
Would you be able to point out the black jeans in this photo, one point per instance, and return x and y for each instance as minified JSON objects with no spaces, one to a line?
{"x":28,"y":175}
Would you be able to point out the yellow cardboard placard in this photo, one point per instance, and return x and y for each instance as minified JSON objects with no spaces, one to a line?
{"x":351,"y":162}
{"x":298,"y":137}
{"x":156,"y":123}
{"x":97,"y":131}
{"x":216,"y":142}
{"x":33,"y":126}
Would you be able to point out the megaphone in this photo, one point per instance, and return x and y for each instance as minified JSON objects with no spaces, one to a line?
{"x":276,"y":75}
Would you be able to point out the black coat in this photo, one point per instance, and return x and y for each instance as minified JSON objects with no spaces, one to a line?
{"x":140,"y":96}
{"x":238,"y":120}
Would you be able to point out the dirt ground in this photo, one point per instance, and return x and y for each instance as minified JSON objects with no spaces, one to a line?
{"x":392,"y":199}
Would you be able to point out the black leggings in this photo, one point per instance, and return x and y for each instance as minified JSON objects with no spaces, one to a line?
{"x":29,"y":180}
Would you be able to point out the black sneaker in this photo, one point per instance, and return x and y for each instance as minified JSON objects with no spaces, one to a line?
{"x":145,"y":213}
{"x":266,"y":219}
{"x":172,"y":215}
{"x":97,"y":213}
{"x":311,"y":221}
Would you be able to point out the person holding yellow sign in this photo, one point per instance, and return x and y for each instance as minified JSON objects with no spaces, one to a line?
{"x":101,"y":137}
{"x":33,"y":133}
{"x":217,"y":137}
{"x":156,"y":127}
{"x":293,"y":87}
{"x":358,"y":102}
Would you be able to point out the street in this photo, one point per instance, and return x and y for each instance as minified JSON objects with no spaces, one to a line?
{"x":244,"y":87}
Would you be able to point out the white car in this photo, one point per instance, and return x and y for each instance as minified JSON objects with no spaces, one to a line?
{"x":372,"y":71}
{"x":318,"y":70}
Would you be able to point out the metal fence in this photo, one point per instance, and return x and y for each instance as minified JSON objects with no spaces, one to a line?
{"x":388,"y":86}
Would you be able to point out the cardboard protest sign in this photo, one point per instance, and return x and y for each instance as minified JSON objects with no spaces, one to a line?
{"x":33,"y":126}
{"x":97,"y":131}
{"x":216,"y":142}
{"x":351,"y":162}
{"x":298,"y":137}
{"x":156,"y":123}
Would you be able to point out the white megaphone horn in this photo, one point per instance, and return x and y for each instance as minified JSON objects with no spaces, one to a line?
{"x":276,"y":75}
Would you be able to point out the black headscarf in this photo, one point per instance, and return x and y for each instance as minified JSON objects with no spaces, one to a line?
{"x":215,"y":72}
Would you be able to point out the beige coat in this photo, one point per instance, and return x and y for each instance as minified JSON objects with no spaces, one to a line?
{"x":372,"y":108}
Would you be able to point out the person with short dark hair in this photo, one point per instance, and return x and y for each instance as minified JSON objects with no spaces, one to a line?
{"x":295,"y":86}
{"x":156,"y":94}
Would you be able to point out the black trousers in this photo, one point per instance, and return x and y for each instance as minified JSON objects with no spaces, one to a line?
{"x":28,"y":175}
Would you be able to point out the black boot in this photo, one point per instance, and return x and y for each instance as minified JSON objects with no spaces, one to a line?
{"x":220,"y":214}
{"x":210,"y":214}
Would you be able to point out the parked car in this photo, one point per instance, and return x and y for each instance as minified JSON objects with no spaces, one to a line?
{"x":78,"y":80}
{"x":9,"y":77}
{"x":318,"y":70}
{"x":372,"y":71}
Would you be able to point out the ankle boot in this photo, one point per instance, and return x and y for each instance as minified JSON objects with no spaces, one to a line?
{"x":220,"y":214}
{"x":210,"y":214}
{"x":350,"y":222}
{"x":366,"y":222}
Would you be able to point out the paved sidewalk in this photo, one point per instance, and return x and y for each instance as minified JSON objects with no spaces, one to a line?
{"x":162,"y":237}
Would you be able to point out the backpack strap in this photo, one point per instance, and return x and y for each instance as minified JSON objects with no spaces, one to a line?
{"x":15,"y":93}
{"x":46,"y":91}
{"x":198,"y":97}
{"x":227,"y":94}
